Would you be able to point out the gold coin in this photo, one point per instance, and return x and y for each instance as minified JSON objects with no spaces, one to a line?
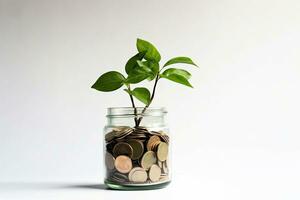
{"x":137,"y":147}
{"x":132,"y":171}
{"x":163,"y":178}
{"x":123,"y":164}
{"x":151,"y":141}
{"x":122,"y":148}
{"x":138,"y":175}
{"x":154,"y":173}
{"x":109,"y":161}
{"x":148,"y":159}
{"x":162,"y":151}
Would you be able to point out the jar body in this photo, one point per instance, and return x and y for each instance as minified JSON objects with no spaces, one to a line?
{"x":136,"y":149}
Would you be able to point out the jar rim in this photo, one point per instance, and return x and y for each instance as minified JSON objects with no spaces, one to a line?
{"x":129,"y":111}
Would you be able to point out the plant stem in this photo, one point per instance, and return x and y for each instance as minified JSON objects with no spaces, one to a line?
{"x":134,"y":107}
{"x":151,"y":99}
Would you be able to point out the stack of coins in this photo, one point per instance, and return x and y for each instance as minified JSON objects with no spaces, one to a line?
{"x":136,"y":155}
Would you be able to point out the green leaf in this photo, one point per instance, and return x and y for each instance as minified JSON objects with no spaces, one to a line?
{"x":144,"y":66}
{"x":151,"y":53}
{"x":154,"y":66}
{"x":175,"y":60}
{"x":180,"y":72}
{"x":151,"y":67}
{"x":109,"y":81}
{"x":144,"y":70}
{"x":141,"y":93}
{"x":132,"y":62}
{"x":136,"y":77}
{"x":138,"y":74}
{"x":177,"y":75}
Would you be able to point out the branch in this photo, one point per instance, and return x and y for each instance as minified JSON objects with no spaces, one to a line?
{"x":151,"y":99}
{"x":134,"y":107}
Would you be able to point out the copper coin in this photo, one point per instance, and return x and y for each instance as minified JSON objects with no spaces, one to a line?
{"x":154,"y":145}
{"x":123,"y":164}
{"x":151,"y":141}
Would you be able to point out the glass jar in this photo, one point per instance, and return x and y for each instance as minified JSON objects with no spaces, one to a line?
{"x":136,"y":154}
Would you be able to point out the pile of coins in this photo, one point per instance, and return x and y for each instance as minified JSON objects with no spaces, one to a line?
{"x":136,"y":156}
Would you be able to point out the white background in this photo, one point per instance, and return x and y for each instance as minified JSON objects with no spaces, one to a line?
{"x":236,"y":135}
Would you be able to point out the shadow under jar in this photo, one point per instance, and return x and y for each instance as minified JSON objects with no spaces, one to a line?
{"x":136,"y":157}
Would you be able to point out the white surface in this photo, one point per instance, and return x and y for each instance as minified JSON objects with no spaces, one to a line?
{"x":236,"y":135}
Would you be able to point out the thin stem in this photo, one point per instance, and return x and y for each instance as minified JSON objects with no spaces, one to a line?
{"x":151,"y":99}
{"x":134,"y":107}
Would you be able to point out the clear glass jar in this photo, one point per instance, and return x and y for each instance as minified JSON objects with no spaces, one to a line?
{"x":136,"y":156}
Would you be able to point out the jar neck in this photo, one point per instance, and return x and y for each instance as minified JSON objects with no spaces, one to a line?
{"x":125,"y":116}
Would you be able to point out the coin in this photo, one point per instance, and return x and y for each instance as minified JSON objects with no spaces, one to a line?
{"x":137,"y":175}
{"x":148,"y":159}
{"x":165,"y":167}
{"x":110,"y":136}
{"x":122,"y":148}
{"x":136,"y":136}
{"x":109,"y":161}
{"x":118,"y":133}
{"x":154,"y":173}
{"x":163,"y":178}
{"x":151,"y":141}
{"x":137,"y":147}
{"x":159,"y":163}
{"x":123,"y":164}
{"x":110,"y":145}
{"x":164,"y":137}
{"x":118,"y":177}
{"x":141,"y":129}
{"x":136,"y":155}
{"x":162,"y":151}
{"x":154,"y":145}
{"x":120,"y":128}
{"x":167,"y":162}
{"x":123,"y":132}
{"x":132,"y":171}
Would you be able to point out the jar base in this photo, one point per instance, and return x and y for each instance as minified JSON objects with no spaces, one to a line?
{"x":115,"y":186}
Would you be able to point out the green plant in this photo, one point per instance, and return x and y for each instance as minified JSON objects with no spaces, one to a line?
{"x":144,"y":65}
